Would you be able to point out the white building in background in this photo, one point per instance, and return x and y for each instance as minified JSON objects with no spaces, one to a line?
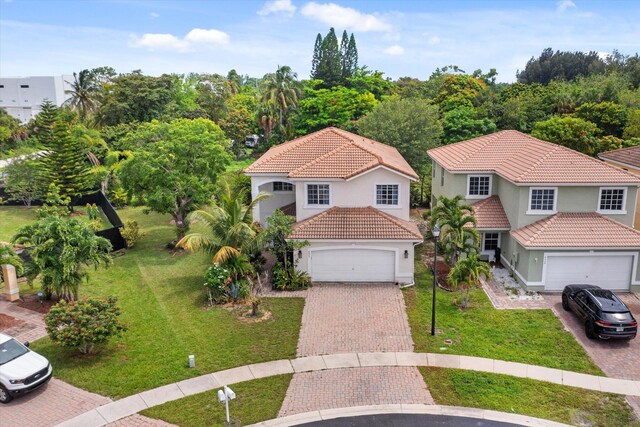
{"x":21,"y":97}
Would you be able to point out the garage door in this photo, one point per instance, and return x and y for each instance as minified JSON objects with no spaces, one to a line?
{"x":609,"y":272}
{"x":353,"y":265}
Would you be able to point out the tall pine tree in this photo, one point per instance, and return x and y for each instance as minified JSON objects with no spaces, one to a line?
{"x":317,"y":54}
{"x":330,"y":68}
{"x":344,"y":48}
{"x":351,"y":63}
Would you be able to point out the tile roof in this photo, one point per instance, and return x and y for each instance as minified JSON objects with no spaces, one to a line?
{"x":521,"y":158}
{"x":490,"y":214}
{"x":329,"y":153}
{"x":629,"y":156}
{"x":355,"y":224}
{"x":577,"y":230}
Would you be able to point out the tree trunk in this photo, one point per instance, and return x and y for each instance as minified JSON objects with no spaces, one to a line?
{"x":182,"y":226}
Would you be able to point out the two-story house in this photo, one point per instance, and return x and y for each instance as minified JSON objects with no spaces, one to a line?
{"x":629,"y":160}
{"x":350,"y":198}
{"x":558,"y":216}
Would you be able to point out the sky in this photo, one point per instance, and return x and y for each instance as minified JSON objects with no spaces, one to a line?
{"x":400,"y":38}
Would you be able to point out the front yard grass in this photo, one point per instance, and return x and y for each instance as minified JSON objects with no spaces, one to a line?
{"x":256,"y":400}
{"x":162,"y":301}
{"x":524,"y":396}
{"x":536,"y":337}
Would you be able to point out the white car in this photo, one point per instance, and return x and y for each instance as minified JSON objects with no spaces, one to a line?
{"x":21,"y":370}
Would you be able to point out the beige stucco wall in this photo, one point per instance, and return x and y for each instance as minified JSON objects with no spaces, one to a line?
{"x":262,"y":210}
{"x":404,"y":270}
{"x":635,"y":171}
{"x":357,"y":192}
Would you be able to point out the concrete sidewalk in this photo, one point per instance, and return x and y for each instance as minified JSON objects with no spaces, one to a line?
{"x":122,"y":408}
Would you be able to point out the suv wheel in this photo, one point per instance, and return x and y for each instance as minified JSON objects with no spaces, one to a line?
{"x":589,"y":330}
{"x":565,"y":303}
{"x":5,"y":397}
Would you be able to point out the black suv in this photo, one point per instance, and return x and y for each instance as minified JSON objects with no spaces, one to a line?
{"x":604,"y":314}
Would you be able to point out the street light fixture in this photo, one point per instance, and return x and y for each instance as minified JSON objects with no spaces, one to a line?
{"x":436,"y":233}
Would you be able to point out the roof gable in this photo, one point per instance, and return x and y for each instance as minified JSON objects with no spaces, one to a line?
{"x":628,"y":156}
{"x":521,"y":158}
{"x":330,"y":153}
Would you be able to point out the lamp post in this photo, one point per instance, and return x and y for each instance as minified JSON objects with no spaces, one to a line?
{"x":436,"y":234}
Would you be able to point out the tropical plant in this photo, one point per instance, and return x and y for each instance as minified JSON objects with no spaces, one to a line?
{"x":465,"y":275}
{"x":83,"y":94}
{"x":23,"y":182}
{"x":62,"y":250}
{"x":8,"y":256}
{"x":282,"y":89}
{"x":285,"y":274}
{"x":456,"y":222}
{"x":131,"y":233}
{"x":216,"y":280}
{"x":84,"y":324}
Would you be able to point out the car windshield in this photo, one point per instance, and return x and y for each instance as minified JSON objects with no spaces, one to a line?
{"x":10,"y":350}
{"x":617,"y":317}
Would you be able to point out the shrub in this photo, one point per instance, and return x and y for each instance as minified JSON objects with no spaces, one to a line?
{"x":215,"y":281}
{"x":289,"y":279}
{"x":84,"y":324}
{"x":118,"y":198}
{"x":131,"y":233}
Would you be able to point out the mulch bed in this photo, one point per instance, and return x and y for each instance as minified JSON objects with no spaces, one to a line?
{"x":30,"y":302}
{"x":443,"y":268}
{"x":8,"y":322}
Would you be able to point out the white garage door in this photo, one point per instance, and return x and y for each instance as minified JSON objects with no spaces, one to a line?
{"x":353,"y":265}
{"x":609,"y":272}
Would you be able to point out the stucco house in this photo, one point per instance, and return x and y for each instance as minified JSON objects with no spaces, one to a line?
{"x":350,"y":198}
{"x":629,"y":160}
{"x":558,"y":216}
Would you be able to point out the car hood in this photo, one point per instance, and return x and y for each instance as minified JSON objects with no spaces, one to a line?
{"x":24,"y":366}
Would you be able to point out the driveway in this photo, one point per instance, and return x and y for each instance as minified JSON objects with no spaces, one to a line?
{"x":346,"y":318}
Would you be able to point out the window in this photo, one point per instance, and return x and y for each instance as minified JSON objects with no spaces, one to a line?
{"x":24,"y":86}
{"x":612,"y":199}
{"x":478,"y":186}
{"x":282,"y":186}
{"x":442,"y":177}
{"x":542,"y":200}
{"x":387,"y":194}
{"x":491,"y":241}
{"x":318,"y":194}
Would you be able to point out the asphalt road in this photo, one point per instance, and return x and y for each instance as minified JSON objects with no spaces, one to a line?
{"x":408,"y":420}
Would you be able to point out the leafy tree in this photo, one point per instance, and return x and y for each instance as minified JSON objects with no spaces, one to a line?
{"x":23,"y":182}
{"x":457,"y":225}
{"x":364,"y":80}
{"x":572,"y":132}
{"x":458,"y":90}
{"x":283,"y":91}
{"x":175,"y":166}
{"x":632,"y":129}
{"x":62,"y":251}
{"x":9,"y":129}
{"x":337,"y":106}
{"x":410,"y":125}
{"x":239,"y":120}
{"x":609,"y":117}
{"x":213,"y":92}
{"x":8,"y":256}
{"x":465,"y":275}
{"x":461,"y":124}
{"x":84,"y":324}
{"x":83,"y":94}
{"x":565,"y":66}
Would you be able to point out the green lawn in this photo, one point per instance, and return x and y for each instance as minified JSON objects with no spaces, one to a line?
{"x":12,"y":218}
{"x":20,"y":151}
{"x":529,"y":336}
{"x":524,"y":396}
{"x":238,"y":165}
{"x":162,"y":302}
{"x":255,"y":401}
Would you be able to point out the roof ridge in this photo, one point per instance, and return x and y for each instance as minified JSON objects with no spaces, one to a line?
{"x":545,"y":223}
{"x":319,"y":159}
{"x":305,"y":222}
{"x":487,"y":140}
{"x":617,"y":150}
{"x":391,"y":218}
{"x":538,"y":163}
{"x":290,"y":145}
{"x":617,"y":223}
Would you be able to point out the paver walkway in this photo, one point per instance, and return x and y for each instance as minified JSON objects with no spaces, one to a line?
{"x":354,"y":317}
{"x":33,"y":327}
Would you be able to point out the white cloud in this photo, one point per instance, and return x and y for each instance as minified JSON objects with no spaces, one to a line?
{"x":344,"y":17}
{"x":284,"y":7}
{"x":433,"y":40}
{"x":214,"y":37}
{"x":394,"y":50}
{"x":160,"y":42}
{"x":565,"y":4}
{"x":154,"y":15}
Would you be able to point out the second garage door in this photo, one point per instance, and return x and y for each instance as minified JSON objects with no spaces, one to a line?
{"x":609,"y":272}
{"x":352,"y":265}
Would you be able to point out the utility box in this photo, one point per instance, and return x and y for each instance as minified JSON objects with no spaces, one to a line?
{"x":10,"y":278}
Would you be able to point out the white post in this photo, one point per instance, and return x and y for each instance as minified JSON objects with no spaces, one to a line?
{"x":226,"y":402}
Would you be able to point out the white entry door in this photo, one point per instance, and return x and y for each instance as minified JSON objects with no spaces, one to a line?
{"x":352,"y":265}
{"x":607,"y":271}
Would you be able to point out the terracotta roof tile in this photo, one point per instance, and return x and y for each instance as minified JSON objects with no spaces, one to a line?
{"x":329,"y":153}
{"x":577,"y":230}
{"x":355,"y":224}
{"x":521,"y":158}
{"x":629,"y":156}
{"x":490,"y":214}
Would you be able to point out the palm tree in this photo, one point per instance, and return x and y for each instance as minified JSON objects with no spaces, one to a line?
{"x":282,"y":89}
{"x":231,"y":228}
{"x":466,"y":275}
{"x":457,"y":224}
{"x":83,"y":91}
{"x":8,"y":256}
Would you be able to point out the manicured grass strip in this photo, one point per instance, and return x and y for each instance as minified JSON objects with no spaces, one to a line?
{"x":162,"y":301}
{"x":12,"y":218}
{"x":524,"y":396}
{"x":238,"y":165}
{"x":536,"y":337}
{"x":255,"y":401}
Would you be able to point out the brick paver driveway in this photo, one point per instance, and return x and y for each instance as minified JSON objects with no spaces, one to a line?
{"x":344,"y":318}
{"x":618,"y":359}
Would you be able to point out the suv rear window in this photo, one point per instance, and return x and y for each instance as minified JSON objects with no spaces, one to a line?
{"x":617,"y":317}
